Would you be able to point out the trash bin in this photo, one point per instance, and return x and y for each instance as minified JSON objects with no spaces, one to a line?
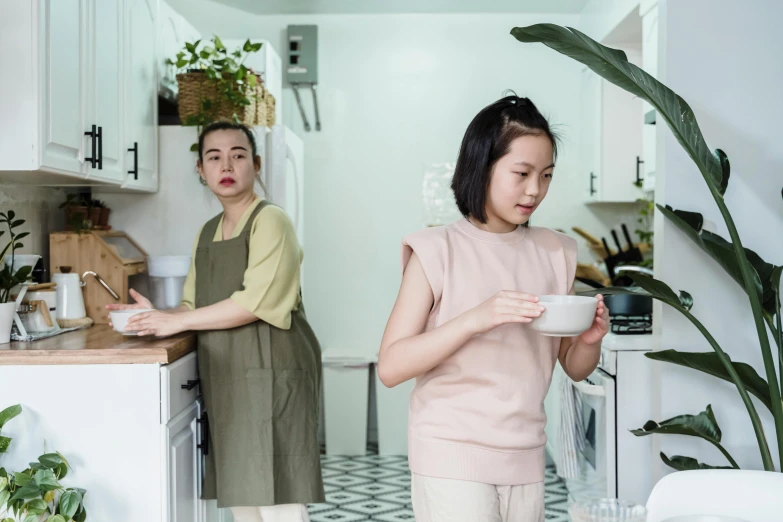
{"x":346,"y":379}
{"x":391,"y":405}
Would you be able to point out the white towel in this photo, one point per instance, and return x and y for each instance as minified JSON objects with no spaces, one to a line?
{"x":571,"y":432}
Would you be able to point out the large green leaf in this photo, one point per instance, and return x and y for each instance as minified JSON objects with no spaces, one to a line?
{"x":613,"y":65}
{"x":648,"y":286}
{"x":681,"y":463}
{"x":69,"y":504}
{"x":4,"y":496}
{"x":9,"y":413}
{"x":50,"y":460}
{"x":722,"y":251}
{"x":45,"y":480}
{"x":709,"y":363}
{"x":4,"y":443}
{"x":704,"y":426}
{"x":27,"y":492}
{"x":37,"y":506}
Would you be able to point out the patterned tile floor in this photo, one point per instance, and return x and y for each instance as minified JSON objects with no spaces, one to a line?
{"x":375,"y":488}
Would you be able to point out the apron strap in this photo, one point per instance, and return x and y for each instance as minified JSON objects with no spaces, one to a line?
{"x":208,"y":231}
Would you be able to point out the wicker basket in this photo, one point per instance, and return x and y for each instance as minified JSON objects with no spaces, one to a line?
{"x":261,"y":112}
{"x":195,"y":88}
{"x":269,"y":101}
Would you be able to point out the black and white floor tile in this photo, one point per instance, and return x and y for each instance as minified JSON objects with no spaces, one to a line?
{"x":377,"y":488}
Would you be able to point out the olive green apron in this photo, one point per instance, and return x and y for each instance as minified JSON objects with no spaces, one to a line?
{"x":261,"y":389}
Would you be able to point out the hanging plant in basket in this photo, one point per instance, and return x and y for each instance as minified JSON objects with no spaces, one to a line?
{"x":214,"y":84}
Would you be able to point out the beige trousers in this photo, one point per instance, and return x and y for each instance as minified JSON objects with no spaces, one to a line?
{"x":282,"y":513}
{"x":447,"y":500}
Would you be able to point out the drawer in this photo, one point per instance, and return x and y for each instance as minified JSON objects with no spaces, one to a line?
{"x":178,"y":386}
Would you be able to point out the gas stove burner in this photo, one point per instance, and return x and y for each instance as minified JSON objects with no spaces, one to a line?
{"x":631,"y":324}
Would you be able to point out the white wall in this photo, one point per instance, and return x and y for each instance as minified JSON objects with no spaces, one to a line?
{"x":600,"y":17}
{"x":396,"y":92}
{"x":732,"y":82}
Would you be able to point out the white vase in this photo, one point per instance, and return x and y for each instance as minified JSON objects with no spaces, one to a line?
{"x":7,"y":313}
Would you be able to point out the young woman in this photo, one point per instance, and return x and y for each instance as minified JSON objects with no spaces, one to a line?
{"x":259,"y":360}
{"x":459,"y":326}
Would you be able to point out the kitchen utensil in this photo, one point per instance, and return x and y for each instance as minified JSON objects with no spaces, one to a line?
{"x":584,"y":271}
{"x":607,"y":510}
{"x":617,"y":242}
{"x":70,"y":301}
{"x":628,"y":304}
{"x":119,"y":319}
{"x":167,"y":276}
{"x":565,"y":315}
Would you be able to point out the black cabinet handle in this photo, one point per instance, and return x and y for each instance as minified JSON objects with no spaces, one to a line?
{"x":189,"y":385}
{"x":204,"y":422}
{"x":92,"y":134}
{"x":639,"y":177}
{"x":592,"y":179}
{"x":100,"y":148}
{"x":135,"y":151}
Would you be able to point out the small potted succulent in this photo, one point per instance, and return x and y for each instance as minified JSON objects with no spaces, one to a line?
{"x":10,"y":277}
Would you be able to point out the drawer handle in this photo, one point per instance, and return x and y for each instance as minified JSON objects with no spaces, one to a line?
{"x":190,"y":385}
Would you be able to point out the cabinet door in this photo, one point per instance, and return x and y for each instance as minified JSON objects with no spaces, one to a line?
{"x":63,"y":59}
{"x":141,"y":96}
{"x":105,"y":89}
{"x":182,"y":467}
{"x":170,"y":42}
{"x":591,"y":134}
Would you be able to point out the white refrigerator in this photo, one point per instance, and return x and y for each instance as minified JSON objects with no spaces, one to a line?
{"x":167,"y":222}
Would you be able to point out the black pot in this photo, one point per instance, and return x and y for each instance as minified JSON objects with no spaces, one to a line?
{"x":628,"y":304}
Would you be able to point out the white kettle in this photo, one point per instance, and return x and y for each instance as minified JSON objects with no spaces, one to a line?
{"x":70,"y":301}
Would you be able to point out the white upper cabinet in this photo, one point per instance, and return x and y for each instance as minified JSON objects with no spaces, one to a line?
{"x":70,"y":110}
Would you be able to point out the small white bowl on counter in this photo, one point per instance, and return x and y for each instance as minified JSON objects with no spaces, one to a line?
{"x":119,"y":319}
{"x":565,"y":315}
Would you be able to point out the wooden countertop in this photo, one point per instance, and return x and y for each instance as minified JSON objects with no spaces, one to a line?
{"x":98,"y":345}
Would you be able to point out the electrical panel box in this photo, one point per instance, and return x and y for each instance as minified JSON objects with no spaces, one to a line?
{"x":302,"y":63}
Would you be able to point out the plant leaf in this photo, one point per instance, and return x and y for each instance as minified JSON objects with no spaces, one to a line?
{"x":613,"y":65}
{"x":219,"y":44}
{"x":69,"y":504}
{"x":50,"y":460}
{"x":11,"y":215}
{"x":708,"y":362}
{"x":17,"y":223}
{"x":4,"y":496}
{"x":22,"y":235}
{"x":722,"y":251}
{"x":26,"y":492}
{"x":702,"y":425}
{"x":81,"y":516}
{"x":36,"y":507}
{"x":45,"y":480}
{"x":9,"y":413}
{"x":4,"y":443}
{"x":55,"y":518}
{"x":3,"y":484}
{"x":22,"y":479}
{"x":31,"y":518}
{"x":194,"y":147}
{"x":681,"y":463}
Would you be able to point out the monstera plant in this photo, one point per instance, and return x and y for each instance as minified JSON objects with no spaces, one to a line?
{"x":761,"y":280}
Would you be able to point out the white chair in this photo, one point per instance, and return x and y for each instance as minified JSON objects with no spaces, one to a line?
{"x":755,"y":496}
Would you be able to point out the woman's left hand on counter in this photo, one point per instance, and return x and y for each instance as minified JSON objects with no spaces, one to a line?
{"x":600,"y":326}
{"x":157,"y":323}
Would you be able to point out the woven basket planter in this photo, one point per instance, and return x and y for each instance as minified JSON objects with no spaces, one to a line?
{"x":195,"y":88}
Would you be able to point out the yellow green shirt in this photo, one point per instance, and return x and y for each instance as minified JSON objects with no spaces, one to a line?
{"x":272,"y":279}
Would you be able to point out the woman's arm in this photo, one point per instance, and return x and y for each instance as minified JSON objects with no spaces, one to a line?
{"x":406,"y":352}
{"x":223,"y":315}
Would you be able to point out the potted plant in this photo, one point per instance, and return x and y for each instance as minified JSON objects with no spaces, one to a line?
{"x":10,"y":278}
{"x":77,"y":213}
{"x":103,"y":220}
{"x":94,"y":212}
{"x":761,"y":280}
{"x":214,"y":84}
{"x":36,"y":494}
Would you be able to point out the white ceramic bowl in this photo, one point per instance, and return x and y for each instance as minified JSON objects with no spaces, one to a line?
{"x":565,"y":315}
{"x":119,"y":319}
